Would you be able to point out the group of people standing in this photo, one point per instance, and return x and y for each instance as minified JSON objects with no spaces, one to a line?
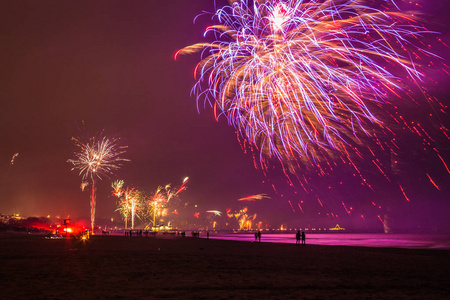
{"x":300,"y":236}
{"x":135,"y":232}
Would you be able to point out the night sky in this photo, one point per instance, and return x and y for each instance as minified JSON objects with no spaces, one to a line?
{"x":110,"y":65}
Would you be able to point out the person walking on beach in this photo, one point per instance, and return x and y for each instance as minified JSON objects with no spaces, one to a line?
{"x":259,"y":236}
{"x":303,"y":238}
{"x":297,"y":238}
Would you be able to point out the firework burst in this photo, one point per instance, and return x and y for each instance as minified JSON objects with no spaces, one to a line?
{"x":159,"y":200}
{"x":95,"y":158}
{"x":305,"y":81}
{"x":322,"y":86}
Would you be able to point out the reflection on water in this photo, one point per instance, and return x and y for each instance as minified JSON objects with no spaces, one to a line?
{"x":418,"y":241}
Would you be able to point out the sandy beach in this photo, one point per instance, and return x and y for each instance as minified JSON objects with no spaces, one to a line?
{"x":119,"y":267}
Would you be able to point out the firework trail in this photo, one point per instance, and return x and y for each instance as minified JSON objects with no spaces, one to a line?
{"x":134,"y":197}
{"x":433,"y":183}
{"x":254,"y":197}
{"x":9,"y":166}
{"x":129,"y":203}
{"x":215,"y":212}
{"x":183,"y":187}
{"x":305,"y":81}
{"x":123,"y":206}
{"x":157,"y":203}
{"x":94,"y":158}
{"x":13,"y":158}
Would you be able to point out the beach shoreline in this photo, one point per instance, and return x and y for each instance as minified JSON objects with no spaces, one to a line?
{"x":119,"y":267}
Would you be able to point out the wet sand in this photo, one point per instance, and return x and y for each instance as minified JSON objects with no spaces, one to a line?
{"x":119,"y":267}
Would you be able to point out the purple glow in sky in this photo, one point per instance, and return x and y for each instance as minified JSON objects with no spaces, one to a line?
{"x":109,"y":65}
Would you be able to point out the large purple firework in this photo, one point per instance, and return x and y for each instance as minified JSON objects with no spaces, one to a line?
{"x":304,"y":81}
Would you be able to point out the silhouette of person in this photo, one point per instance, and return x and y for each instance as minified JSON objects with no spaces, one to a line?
{"x":256,"y":236}
{"x":207,"y":234}
{"x":259,"y":236}
{"x":303,"y":238}
{"x":297,"y":237}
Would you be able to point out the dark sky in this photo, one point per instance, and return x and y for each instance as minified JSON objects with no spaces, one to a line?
{"x":109,"y":65}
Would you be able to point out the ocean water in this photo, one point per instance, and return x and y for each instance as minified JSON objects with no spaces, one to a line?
{"x":410,"y":241}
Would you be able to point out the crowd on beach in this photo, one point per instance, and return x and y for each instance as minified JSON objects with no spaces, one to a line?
{"x":300,"y":236}
{"x":153,"y":233}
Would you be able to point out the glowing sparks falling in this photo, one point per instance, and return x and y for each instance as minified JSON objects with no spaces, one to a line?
{"x":433,"y":183}
{"x":315,"y":84}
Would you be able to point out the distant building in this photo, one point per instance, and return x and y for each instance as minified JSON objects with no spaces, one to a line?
{"x":337,"y":227}
{"x":7,"y":218}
